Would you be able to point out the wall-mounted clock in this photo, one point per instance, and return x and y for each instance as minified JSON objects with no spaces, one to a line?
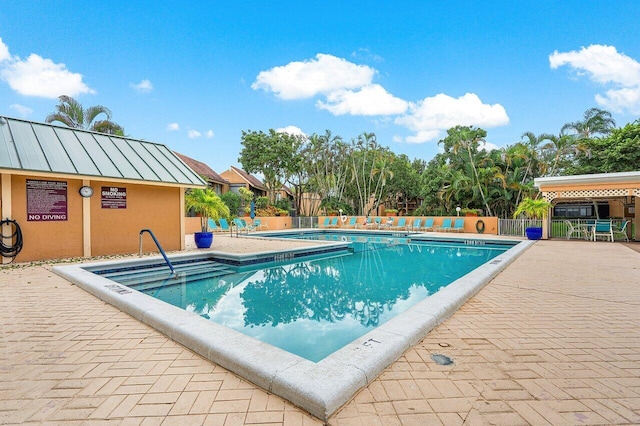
{"x":86,"y":191}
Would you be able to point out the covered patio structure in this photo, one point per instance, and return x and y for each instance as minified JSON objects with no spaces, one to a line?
{"x":602,"y":195}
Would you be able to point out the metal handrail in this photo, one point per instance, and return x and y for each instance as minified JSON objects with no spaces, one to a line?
{"x":155,"y":240}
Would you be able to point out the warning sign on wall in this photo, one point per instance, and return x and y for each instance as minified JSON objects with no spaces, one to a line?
{"x":46,"y":200}
{"x":113,"y":198}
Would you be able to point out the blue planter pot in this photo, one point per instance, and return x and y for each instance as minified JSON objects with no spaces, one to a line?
{"x":533,"y":233}
{"x":203,"y":239}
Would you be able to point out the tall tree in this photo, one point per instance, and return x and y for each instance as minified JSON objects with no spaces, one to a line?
{"x":595,"y":121}
{"x":71,"y":113}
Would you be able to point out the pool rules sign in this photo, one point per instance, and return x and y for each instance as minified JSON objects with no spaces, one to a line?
{"x":46,"y":200}
{"x":112,"y":197}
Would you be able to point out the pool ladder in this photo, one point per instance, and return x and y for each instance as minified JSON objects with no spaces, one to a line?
{"x":155,"y":240}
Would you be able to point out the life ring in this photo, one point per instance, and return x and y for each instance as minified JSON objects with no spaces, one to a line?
{"x":343,"y":218}
{"x":343,"y":238}
{"x":480,"y":227}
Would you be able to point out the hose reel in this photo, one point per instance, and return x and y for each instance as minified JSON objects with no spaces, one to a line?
{"x":15,"y":239}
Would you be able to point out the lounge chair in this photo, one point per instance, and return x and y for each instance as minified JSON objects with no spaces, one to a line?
{"x":213,"y":227}
{"x":351,"y":223}
{"x":224,"y":225}
{"x":258,"y":225}
{"x":325,"y":224}
{"x":446,"y":225}
{"x":602,"y":228}
{"x":458,"y":225}
{"x":622,"y":231}
{"x":242,"y":225}
{"x":401,"y":224}
{"x":428,"y":224}
{"x":416,"y":225}
{"x":375,"y":224}
{"x":334,"y":222}
{"x":387,"y":223}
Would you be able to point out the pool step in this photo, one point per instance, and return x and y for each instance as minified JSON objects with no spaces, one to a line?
{"x":159,"y":275}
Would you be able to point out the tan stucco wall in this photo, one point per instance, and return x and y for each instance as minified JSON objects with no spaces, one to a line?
{"x":490,"y":223}
{"x":112,"y":231}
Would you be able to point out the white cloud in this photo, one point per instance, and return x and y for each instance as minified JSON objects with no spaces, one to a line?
{"x":4,"y":51}
{"x":322,"y":75}
{"x":210,"y":134}
{"x":21,"y":109}
{"x":173,"y":127}
{"x":372,"y":99}
{"x":145,"y":86}
{"x":37,"y":76}
{"x":193,"y":134}
{"x":431,"y":116}
{"x":291,"y":130}
{"x":606,"y":66}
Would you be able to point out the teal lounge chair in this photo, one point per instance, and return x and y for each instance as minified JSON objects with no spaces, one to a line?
{"x":428,"y":224}
{"x":622,"y":231}
{"x":242,"y":225}
{"x":446,"y":225}
{"x":351,"y":223}
{"x":458,"y":225}
{"x":334,"y":222}
{"x":258,"y":225}
{"x":417,"y":224}
{"x":224,"y":225}
{"x":213,"y":227}
{"x":401,"y":224}
{"x":326,"y":223}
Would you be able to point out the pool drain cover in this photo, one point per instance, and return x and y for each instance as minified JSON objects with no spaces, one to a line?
{"x":441,"y":359}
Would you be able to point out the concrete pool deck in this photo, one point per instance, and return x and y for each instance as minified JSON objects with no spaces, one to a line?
{"x":540,"y":344}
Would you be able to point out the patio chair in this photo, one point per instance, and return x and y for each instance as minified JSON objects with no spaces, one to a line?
{"x":352,"y":222}
{"x":213,"y":227}
{"x":575,"y":229}
{"x":333,"y":223}
{"x":446,"y":225}
{"x":242,"y":225}
{"x":224,"y":225}
{"x":416,"y":225}
{"x":622,"y":231}
{"x":401,"y":224}
{"x":458,"y":225}
{"x":326,"y":223}
{"x":602,"y":228}
{"x":258,"y":225}
{"x":387,"y":223}
{"x":428,"y":224}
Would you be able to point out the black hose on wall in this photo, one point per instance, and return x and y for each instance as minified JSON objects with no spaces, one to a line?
{"x":15,"y":246}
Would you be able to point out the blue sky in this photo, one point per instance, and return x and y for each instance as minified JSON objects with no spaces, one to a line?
{"x":194,"y":76}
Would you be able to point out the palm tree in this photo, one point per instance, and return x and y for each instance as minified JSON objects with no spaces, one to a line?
{"x":71,"y":113}
{"x":207,"y":204}
{"x":595,"y":121}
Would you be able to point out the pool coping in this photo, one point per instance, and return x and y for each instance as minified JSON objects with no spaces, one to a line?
{"x":320,"y":388}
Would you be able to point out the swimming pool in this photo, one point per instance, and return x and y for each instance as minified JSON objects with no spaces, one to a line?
{"x":319,"y":387}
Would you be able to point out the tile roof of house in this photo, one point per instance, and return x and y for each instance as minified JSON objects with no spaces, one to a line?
{"x":202,"y":169}
{"x":251,"y":180}
{"x":41,"y":147}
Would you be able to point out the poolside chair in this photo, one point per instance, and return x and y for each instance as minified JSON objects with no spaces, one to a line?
{"x":575,"y":229}
{"x":375,"y":224}
{"x":622,"y":231}
{"x":416,"y":225}
{"x":242,"y":225}
{"x":446,"y":225}
{"x":428,"y":224}
{"x":458,"y":225}
{"x":258,"y":225}
{"x":334,"y":222}
{"x":388,"y":223}
{"x":224,"y":225}
{"x":326,"y":222}
{"x":401,"y":224}
{"x":351,"y":223}
{"x":602,"y":228}
{"x":213,"y":227}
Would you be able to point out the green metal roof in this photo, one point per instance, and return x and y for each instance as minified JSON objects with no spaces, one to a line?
{"x":41,"y":147}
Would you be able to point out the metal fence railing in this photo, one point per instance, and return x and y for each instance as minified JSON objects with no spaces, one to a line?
{"x":298,"y":222}
{"x":516,"y":227}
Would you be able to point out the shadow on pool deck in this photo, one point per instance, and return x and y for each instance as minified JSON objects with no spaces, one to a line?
{"x":553,"y":339}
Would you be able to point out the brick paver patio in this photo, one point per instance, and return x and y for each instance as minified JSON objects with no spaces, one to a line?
{"x":554,"y":339}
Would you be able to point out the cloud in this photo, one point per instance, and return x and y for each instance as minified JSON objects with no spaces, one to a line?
{"x":37,"y":76}
{"x":173,"y":127}
{"x":4,"y":51}
{"x":605,"y":66}
{"x":431,"y":116}
{"x":372,"y":99}
{"x":193,"y":134}
{"x":323,"y":75}
{"x":291,"y":130}
{"x":209,"y":134}
{"x":21,"y":109}
{"x":145,"y":86}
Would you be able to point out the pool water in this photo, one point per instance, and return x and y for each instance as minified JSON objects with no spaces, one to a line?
{"x":313,"y":307}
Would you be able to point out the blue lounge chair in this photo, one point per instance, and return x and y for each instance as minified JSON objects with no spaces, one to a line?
{"x":326,"y":223}
{"x":258,"y":225}
{"x":458,"y":225}
{"x":242,"y":225}
{"x":416,"y":225}
{"x":334,"y":222}
{"x":213,"y":227}
{"x":428,"y":224}
{"x":446,"y":225}
{"x":401,"y":224}
{"x":351,"y":223}
{"x":224,"y":225}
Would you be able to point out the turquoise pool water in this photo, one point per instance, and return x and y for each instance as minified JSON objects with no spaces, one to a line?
{"x":314,"y":306}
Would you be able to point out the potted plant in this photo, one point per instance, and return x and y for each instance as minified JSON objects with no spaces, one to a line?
{"x":207,"y":204}
{"x":471,"y":212}
{"x":391,"y":212}
{"x":533,"y":209}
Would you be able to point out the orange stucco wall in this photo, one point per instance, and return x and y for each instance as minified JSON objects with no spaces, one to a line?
{"x":112,"y":231}
{"x":148,"y":207}
{"x":490,"y":223}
